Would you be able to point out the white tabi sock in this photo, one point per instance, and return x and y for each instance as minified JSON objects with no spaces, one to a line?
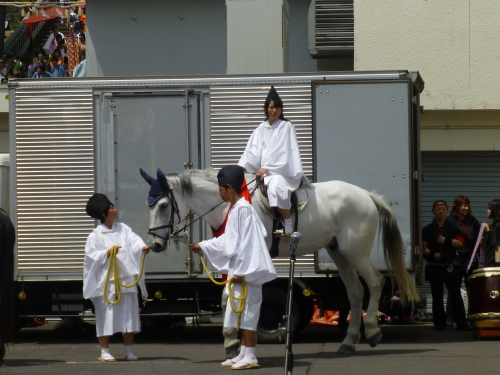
{"x":288,"y":225}
{"x":250,"y":356}
{"x":128,"y":352}
{"x":105,"y":354}
{"x":240,"y":356}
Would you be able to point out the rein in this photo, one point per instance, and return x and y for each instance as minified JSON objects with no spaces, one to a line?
{"x":170,"y":225}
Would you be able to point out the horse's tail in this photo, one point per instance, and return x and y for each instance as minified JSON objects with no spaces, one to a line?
{"x":7,"y":290}
{"x":393,"y":252}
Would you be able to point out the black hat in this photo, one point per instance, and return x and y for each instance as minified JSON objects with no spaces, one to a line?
{"x":232,"y":175}
{"x":96,"y":205}
{"x":272,"y":96}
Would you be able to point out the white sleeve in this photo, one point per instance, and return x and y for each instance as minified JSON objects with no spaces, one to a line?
{"x":94,"y":265}
{"x":213,"y":250}
{"x":251,"y":158}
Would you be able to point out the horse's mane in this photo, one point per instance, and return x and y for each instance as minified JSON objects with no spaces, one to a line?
{"x":184,"y":178}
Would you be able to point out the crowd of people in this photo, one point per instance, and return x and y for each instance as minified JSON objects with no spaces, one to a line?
{"x":60,"y":57}
{"x":453,"y":250}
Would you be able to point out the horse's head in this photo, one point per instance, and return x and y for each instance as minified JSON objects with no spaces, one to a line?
{"x":162,"y":210}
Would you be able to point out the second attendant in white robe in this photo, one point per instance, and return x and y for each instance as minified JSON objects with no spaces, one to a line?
{"x":275,"y":148}
{"x":124,"y":316}
{"x":242,"y":251}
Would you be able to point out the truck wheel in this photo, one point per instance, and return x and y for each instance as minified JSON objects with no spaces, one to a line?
{"x":271,"y":314}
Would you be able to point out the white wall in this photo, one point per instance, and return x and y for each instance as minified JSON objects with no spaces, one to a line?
{"x":453,"y":43}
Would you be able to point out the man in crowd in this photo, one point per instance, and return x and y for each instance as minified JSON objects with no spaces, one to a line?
{"x":52,"y":42}
{"x":42,"y":72}
{"x":57,"y":69}
{"x":34,"y":67}
{"x":16,"y":68}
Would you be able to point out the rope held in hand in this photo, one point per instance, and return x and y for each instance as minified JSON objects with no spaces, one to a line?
{"x":113,"y":265}
{"x":231,"y":296}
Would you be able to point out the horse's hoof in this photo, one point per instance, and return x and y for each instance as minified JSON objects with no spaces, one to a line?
{"x":375,"y":339}
{"x":346,"y":349}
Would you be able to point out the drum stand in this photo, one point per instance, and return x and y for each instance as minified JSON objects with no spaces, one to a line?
{"x":288,"y":317}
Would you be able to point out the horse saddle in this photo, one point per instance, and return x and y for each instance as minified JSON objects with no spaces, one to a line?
{"x":300,"y":196}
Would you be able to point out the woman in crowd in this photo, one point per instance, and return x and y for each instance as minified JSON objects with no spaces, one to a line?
{"x":461,"y":216}
{"x":124,"y":315}
{"x":492,"y":236}
{"x":441,"y":239}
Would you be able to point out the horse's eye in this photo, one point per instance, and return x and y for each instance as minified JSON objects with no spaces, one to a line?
{"x":164,"y":205}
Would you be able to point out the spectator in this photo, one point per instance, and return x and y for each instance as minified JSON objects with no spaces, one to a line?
{"x":57,"y":70}
{"x":492,"y":237}
{"x":81,"y":69}
{"x":34,"y":67}
{"x":461,"y":216}
{"x":62,"y":48}
{"x":3,"y":72}
{"x":51,"y":43}
{"x":82,"y":45}
{"x":441,"y":238}
{"x":42,"y":72}
{"x":16,"y":68}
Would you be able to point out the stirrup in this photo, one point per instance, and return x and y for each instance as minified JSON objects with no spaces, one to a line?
{"x":280,"y":232}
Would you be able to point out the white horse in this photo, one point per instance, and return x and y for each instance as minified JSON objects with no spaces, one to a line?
{"x":341,"y":217}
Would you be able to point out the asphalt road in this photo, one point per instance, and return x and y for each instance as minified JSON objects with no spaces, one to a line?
{"x":409,"y":349}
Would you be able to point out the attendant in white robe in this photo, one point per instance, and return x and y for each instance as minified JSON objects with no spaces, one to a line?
{"x":272,"y":153}
{"x":241,"y":252}
{"x":124,"y":316}
{"x":52,"y":42}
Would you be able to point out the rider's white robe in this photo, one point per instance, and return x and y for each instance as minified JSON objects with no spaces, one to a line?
{"x":124,"y":316}
{"x":242,"y":251}
{"x":275,"y":148}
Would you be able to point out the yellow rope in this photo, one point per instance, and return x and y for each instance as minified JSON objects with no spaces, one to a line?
{"x":229,"y":286}
{"x":113,"y":265}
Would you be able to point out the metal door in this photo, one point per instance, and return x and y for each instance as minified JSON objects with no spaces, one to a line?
{"x":363,"y":135}
{"x":150,"y":130}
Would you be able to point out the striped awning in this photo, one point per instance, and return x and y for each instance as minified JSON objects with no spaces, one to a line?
{"x":45,"y":15}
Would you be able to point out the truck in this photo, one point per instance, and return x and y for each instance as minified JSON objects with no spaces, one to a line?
{"x":71,"y":137}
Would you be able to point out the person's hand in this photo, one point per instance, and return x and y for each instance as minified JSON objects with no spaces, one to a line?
{"x":108,"y":252}
{"x":195,"y":247}
{"x":261,"y":172}
{"x":441,"y":239}
{"x":437,"y":257}
{"x":486,"y":227}
{"x":145,"y":249}
{"x":238,"y":279}
{"x":426,"y":251}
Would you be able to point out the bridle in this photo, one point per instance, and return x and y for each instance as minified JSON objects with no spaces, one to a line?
{"x":175,"y":211}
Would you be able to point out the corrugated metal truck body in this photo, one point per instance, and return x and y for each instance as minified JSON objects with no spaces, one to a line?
{"x":73,"y":137}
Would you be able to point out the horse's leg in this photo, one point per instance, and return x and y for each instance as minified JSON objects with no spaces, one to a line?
{"x":355,"y":292}
{"x":375,"y":282}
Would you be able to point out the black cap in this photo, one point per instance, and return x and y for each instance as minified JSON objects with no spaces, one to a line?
{"x":272,"y":96}
{"x":96,"y":205}
{"x":232,"y":175}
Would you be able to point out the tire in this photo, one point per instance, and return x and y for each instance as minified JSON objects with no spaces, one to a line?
{"x":271,"y":315}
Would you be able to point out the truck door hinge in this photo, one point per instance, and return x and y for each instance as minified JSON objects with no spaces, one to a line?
{"x":414,"y":99}
{"x":187,"y":105}
{"x":188,"y":164}
{"x":415,"y":175}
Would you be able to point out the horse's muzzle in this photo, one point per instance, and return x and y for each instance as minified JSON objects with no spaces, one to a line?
{"x":157,"y":247}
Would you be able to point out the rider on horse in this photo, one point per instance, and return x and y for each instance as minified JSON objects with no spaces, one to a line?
{"x":272,"y":153}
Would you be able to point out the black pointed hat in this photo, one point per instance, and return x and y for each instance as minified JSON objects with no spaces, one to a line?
{"x":232,"y":175}
{"x":96,"y":205}
{"x":272,"y":96}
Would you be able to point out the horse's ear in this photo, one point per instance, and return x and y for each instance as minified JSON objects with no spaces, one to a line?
{"x":162,"y":179}
{"x":147,"y":177}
